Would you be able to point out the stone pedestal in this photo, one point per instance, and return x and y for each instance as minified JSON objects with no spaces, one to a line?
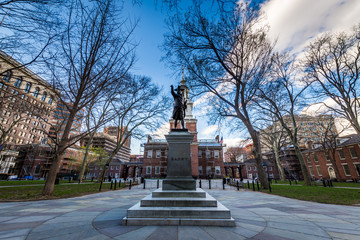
{"x":179,"y":202}
{"x":179,"y":161}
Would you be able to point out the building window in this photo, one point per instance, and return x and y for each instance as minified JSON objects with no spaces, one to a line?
{"x":270,"y":168}
{"x":27,"y":87}
{"x":249,"y":168}
{"x":117,"y":167}
{"x":357,"y":168}
{"x":43,"y":97}
{"x":346,"y":169}
{"x":311,"y":171}
{"x":37,"y":169}
{"x":327,"y":157}
{"x":341,"y":154}
{"x":250,"y":176}
{"x":353,"y":153}
{"x":254,"y":168}
{"x":207,"y":154}
{"x":208,"y":170}
{"x":112,"y":167}
{"x":7,"y":76}
{"x":149,"y":153}
{"x":158,"y":153}
{"x":199,"y":153}
{"x":308,"y":158}
{"x":148,"y":169}
{"x":50,"y":100}
{"x":216,"y":154}
{"x":315,"y":157}
{"x":18,"y":82}
{"x":157,"y":170}
{"x":36,"y":92}
{"x":217,"y":170}
{"x":318,"y":170}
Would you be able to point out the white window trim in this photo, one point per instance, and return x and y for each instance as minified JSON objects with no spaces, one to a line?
{"x":343,"y":164}
{"x":158,"y":151}
{"x":339,"y":153}
{"x":317,"y":170}
{"x":352,"y":157}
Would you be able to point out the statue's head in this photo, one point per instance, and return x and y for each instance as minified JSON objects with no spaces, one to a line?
{"x":178,"y":90}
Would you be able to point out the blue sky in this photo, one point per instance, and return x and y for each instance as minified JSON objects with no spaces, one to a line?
{"x":294,"y":23}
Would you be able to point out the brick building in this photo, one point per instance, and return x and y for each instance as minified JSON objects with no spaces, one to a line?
{"x":108,"y":143}
{"x":249,"y":169}
{"x":347,"y":159}
{"x":59,"y":120}
{"x":310,"y":129}
{"x":120,"y":166}
{"x":27,"y":103}
{"x":206,"y":154}
{"x":35,"y":160}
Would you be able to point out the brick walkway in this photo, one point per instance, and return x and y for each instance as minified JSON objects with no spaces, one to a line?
{"x":98,"y":216}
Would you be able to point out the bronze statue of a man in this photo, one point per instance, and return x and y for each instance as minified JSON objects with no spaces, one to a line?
{"x":179,"y":106}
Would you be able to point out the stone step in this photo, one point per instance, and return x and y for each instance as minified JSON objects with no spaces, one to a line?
{"x":150,"y":201}
{"x":178,"y":222}
{"x":219,"y":212}
{"x":198,"y":193}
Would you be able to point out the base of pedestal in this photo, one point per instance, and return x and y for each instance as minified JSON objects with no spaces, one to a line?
{"x":191,"y":208}
{"x":179,"y":184}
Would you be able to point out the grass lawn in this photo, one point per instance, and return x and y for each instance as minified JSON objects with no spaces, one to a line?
{"x":61,"y":191}
{"x":30,"y":182}
{"x":336,"y":184}
{"x":318,"y":194}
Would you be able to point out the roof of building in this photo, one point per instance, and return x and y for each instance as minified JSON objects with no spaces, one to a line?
{"x":347,"y":140}
{"x":210,"y":144}
{"x":24,"y":69}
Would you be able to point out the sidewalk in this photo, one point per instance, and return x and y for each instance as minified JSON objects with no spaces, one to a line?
{"x":98,"y":216}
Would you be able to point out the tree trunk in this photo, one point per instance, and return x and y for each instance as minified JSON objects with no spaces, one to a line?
{"x":333,"y":162}
{"x":51,"y":176}
{"x":304,"y":169}
{"x":50,"y":180}
{"x":278,"y":162}
{"x":86,"y":155}
{"x":258,"y":159}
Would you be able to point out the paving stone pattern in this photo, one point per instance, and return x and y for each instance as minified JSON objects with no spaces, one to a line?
{"x":257,"y":215}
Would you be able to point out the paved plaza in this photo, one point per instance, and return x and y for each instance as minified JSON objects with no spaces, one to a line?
{"x":257,"y":215}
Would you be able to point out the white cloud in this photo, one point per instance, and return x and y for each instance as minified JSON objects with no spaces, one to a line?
{"x":316,"y":109}
{"x":236,"y":142}
{"x":209,"y":131}
{"x":294,"y":23}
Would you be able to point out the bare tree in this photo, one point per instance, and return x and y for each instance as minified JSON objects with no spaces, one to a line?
{"x":94,"y":55}
{"x":281,"y":96}
{"x":236,"y":153}
{"x":226,"y":57}
{"x":96,"y":115}
{"x":328,"y":135}
{"x":332,"y":63}
{"x":274,"y":138}
{"x":138,"y":108}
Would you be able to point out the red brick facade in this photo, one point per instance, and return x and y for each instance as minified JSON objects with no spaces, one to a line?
{"x":347,"y":159}
{"x":206,"y":155}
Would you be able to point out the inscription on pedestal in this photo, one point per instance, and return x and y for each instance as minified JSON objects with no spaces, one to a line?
{"x":179,"y":162}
